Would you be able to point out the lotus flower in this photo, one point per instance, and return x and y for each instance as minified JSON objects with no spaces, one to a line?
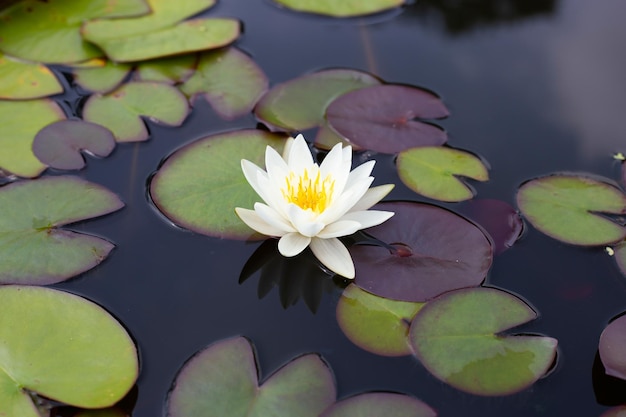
{"x":306,"y":204}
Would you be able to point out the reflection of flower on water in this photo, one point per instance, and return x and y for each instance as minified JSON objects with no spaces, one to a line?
{"x":307,"y":204}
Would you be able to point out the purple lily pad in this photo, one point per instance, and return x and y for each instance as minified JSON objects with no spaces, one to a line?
{"x":59,"y":144}
{"x":388,"y":118}
{"x":433,"y":251}
{"x":386,"y":404}
{"x":498,"y":218}
{"x":612,"y":348}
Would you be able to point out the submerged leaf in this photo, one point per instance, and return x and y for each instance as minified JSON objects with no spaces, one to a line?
{"x":23,"y":80}
{"x":341,"y":8}
{"x":612,"y":348}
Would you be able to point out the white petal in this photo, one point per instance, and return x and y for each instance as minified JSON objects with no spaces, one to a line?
{"x":367,"y":218}
{"x":292,"y":244}
{"x":344,"y":203}
{"x":274,"y":219}
{"x":287,"y":148}
{"x":272,"y":195}
{"x":299,"y":155}
{"x":334,"y":255}
{"x":252,"y":172}
{"x":360,"y":172}
{"x":304,"y":221}
{"x":335,"y":165}
{"x":252,"y":219}
{"x":276,"y":167}
{"x":340,"y":228}
{"x":372,"y":196}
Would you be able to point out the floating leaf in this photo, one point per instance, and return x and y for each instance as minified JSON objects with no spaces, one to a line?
{"x":222,"y":380}
{"x":299,"y":104}
{"x":101,"y":79}
{"x":612,"y":348}
{"x":22,"y":80}
{"x":431,"y":251}
{"x":229,"y":80}
{"x":386,"y":404}
{"x":341,"y":8}
{"x":434,"y":172}
{"x":121,"y":109}
{"x":33,"y":250}
{"x":49,"y":31}
{"x":458,"y":339}
{"x":62,"y":347}
{"x":620,"y":256}
{"x":376,"y":324}
{"x":382,"y":118}
{"x":19,"y":123}
{"x":568,"y":207}
{"x":59,"y":144}
{"x":326,"y":138}
{"x":199,"y":186}
{"x":169,"y":70}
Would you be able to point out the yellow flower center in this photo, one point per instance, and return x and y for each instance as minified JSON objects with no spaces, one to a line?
{"x":309,"y":193}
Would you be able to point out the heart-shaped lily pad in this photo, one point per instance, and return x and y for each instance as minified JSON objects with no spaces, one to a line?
{"x":341,"y":8}
{"x":62,"y":347}
{"x":434,"y":172}
{"x":612,"y":348}
{"x":170,"y":70}
{"x":386,"y":404}
{"x":222,"y":380}
{"x":376,"y":324}
{"x":22,"y":80}
{"x":19,"y":123}
{"x":569,"y":207}
{"x":431,"y":250}
{"x":229,"y":80}
{"x":457,"y":337}
{"x":56,"y":38}
{"x":299,"y":104}
{"x":59,"y":144}
{"x":101,"y":79}
{"x":199,"y":186}
{"x":33,"y":250}
{"x":388,"y":118}
{"x":120,"y":110}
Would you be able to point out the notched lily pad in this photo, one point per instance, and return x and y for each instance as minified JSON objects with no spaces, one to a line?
{"x":388,"y":118}
{"x":612,"y":348}
{"x":341,"y":8}
{"x":386,"y":404}
{"x":434,"y":172}
{"x":120,"y":110}
{"x":26,"y":80}
{"x":33,"y":249}
{"x":222,"y":380}
{"x":457,"y":337}
{"x":570,"y":208}
{"x":63,"y":347}
{"x":59,"y":144}
{"x":199,"y":186}
{"x":430,"y":250}
{"x":376,"y":324}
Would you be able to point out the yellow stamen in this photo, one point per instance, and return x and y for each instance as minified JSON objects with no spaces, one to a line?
{"x":313,"y":194}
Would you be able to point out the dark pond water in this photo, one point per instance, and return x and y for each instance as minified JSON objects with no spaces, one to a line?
{"x":533,"y":86}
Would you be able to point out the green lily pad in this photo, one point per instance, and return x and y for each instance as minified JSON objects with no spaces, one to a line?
{"x":300,"y":104}
{"x":171,"y":70}
{"x":458,"y":338}
{"x":24,"y":80}
{"x":199,"y":186}
{"x":49,"y":31}
{"x":101,"y":79}
{"x":569,"y":207}
{"x":63,"y":347}
{"x":376,"y":324}
{"x":33,"y":250}
{"x":433,"y":171}
{"x":229,"y":80}
{"x":386,"y":404}
{"x":222,"y":380}
{"x":19,"y":123}
{"x":341,"y":8}
{"x":620,"y":256}
{"x":121,"y":109}
{"x":326,"y":138}
{"x":612,"y":348}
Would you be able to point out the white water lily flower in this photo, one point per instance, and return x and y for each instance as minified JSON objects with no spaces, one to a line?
{"x":307,"y":204}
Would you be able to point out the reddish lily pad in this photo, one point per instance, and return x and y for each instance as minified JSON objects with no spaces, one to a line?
{"x":498,"y":218}
{"x":101,"y":79}
{"x":432,"y":250}
{"x":376,"y":324}
{"x":33,"y":249}
{"x":386,"y":404}
{"x":120,"y":110}
{"x":612,"y":348}
{"x":388,"y":118}
{"x":26,"y":80}
{"x":222,"y":380}
{"x":229,"y":80}
{"x":59,"y":144}
{"x":299,"y":104}
{"x":341,"y":8}
{"x":570,"y":207}
{"x":458,"y":338}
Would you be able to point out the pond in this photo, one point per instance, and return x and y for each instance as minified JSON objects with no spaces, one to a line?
{"x":532,"y":87}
